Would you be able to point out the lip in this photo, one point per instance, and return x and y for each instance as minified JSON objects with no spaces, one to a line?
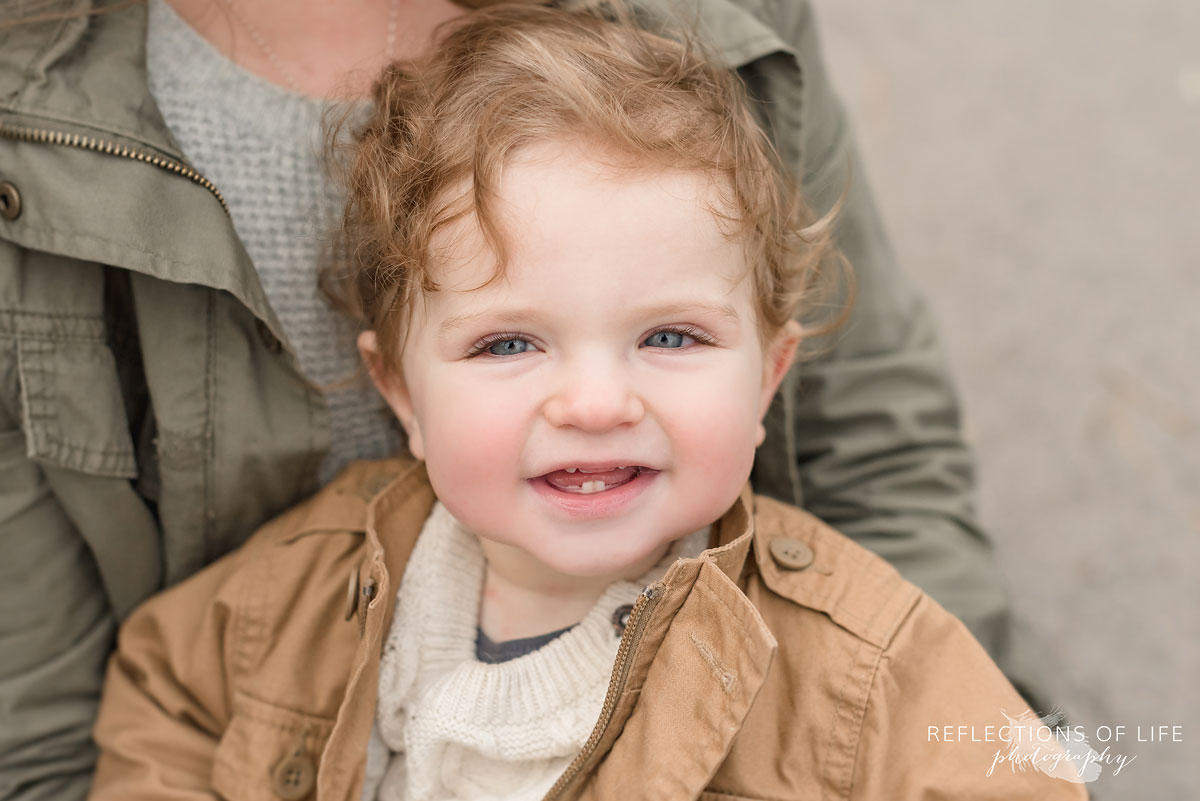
{"x":611,"y":464}
{"x":609,"y":503}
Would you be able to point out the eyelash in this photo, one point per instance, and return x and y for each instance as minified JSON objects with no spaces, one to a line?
{"x":702,"y":337}
{"x":479,"y":348}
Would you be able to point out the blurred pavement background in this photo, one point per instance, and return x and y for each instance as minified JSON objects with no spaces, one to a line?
{"x":1038,"y":165}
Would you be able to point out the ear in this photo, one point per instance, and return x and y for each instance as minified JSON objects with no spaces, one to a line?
{"x":776,"y":361}
{"x":391,"y":386}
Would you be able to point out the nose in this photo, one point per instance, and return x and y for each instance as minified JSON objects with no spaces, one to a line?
{"x":594,"y":400}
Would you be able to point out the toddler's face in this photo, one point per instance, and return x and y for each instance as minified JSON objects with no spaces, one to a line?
{"x":606,"y":396}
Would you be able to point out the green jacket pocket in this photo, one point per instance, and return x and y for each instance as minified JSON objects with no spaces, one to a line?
{"x":71,"y":404}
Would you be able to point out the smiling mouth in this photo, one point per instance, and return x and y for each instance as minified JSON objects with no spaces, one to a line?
{"x":588,"y":482}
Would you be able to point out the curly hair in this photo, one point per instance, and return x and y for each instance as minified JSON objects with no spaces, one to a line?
{"x":508,"y":76}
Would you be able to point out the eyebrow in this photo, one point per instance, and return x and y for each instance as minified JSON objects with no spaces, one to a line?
{"x":723,"y":310}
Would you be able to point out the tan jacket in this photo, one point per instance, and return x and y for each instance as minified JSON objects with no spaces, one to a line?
{"x":785,"y":662}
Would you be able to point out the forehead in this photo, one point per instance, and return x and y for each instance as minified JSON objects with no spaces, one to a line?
{"x":579,"y":221}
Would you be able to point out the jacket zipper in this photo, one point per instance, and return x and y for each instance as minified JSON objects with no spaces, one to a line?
{"x":101,"y":146}
{"x":629,"y":642}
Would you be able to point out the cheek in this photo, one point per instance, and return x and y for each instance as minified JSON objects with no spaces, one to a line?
{"x":713,"y":428}
{"x":473,"y":443}
{"x":719,"y":441}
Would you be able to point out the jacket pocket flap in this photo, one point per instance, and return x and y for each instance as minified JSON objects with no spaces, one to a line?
{"x":259,"y":739}
{"x":71,"y":404}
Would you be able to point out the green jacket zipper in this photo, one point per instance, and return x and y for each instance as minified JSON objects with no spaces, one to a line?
{"x":101,"y":146}
{"x":634,"y":628}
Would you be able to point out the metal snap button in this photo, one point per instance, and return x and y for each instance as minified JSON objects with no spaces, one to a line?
{"x":790,"y":553}
{"x":294,"y":777}
{"x":269,"y":340}
{"x":10,"y":201}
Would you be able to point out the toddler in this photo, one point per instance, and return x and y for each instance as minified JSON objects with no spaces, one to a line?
{"x":578,"y":266}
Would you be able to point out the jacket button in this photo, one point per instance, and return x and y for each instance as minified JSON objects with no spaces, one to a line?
{"x":269,"y":340}
{"x":790,"y":553}
{"x":620,"y":618}
{"x":294,"y":777}
{"x":10,"y":201}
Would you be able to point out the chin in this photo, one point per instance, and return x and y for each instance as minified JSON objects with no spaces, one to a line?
{"x":598,"y":561}
{"x":580,"y":566}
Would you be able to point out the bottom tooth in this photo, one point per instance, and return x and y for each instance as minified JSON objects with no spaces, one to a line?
{"x":587,"y":488}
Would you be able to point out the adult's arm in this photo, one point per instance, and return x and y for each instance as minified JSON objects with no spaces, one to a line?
{"x":78,"y":546}
{"x":56,"y":629}
{"x":867,"y":436}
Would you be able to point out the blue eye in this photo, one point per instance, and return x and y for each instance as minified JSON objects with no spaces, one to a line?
{"x":508,"y":347}
{"x":666,"y":339}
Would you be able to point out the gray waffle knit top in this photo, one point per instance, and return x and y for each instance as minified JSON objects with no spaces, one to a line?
{"x":261,"y":145}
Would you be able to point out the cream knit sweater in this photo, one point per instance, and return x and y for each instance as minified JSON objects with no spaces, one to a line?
{"x":450,"y":727}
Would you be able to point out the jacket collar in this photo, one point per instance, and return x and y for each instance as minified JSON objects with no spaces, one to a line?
{"x":85,"y":73}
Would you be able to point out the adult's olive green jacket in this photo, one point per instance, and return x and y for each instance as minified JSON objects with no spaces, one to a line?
{"x":152,"y":414}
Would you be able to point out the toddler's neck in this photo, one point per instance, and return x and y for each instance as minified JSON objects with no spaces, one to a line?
{"x":515,"y":604}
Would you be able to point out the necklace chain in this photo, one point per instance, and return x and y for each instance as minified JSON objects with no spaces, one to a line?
{"x":273,"y":58}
